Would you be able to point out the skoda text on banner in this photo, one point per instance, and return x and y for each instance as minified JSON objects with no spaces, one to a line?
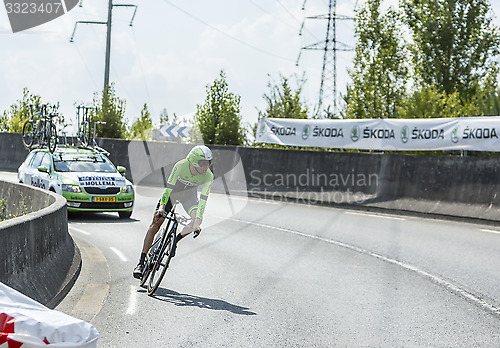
{"x":466,"y":133}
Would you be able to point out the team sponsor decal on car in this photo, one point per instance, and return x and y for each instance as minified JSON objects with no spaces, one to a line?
{"x":101,"y":181}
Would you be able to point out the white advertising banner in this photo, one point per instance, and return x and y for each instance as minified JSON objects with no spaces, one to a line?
{"x":465,"y":133}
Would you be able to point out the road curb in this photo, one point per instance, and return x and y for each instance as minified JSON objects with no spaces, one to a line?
{"x":73,"y":273}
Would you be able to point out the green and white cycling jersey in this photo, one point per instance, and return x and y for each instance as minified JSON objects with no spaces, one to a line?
{"x":181,"y":179}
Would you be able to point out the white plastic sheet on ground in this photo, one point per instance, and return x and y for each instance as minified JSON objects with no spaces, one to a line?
{"x":25,"y":323}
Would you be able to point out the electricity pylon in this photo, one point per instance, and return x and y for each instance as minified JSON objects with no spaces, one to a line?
{"x":330,"y":46}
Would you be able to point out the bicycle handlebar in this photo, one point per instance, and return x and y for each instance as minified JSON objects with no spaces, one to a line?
{"x":182,"y":220}
{"x":41,"y":110}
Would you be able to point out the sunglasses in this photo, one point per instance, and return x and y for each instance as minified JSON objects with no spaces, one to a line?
{"x":204,"y":163}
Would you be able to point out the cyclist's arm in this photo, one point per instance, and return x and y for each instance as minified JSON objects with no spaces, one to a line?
{"x":205,"y":191}
{"x":172,"y":180}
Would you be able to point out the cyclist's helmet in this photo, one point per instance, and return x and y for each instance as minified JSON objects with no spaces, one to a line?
{"x":199,"y":152}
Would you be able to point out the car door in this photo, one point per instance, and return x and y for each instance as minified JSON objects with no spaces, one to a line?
{"x":24,"y":168}
{"x":31,"y":175}
{"x":37,"y":178}
{"x":45,"y":177}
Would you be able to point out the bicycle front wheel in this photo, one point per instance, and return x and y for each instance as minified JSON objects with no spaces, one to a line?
{"x":52,"y":143}
{"x":28,"y":134}
{"x":152,"y":256}
{"x":161,"y":264}
{"x":147,"y":270}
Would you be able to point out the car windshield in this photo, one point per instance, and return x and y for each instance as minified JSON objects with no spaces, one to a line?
{"x":82,"y":163}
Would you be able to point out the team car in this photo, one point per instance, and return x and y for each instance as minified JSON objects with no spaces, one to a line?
{"x":84,"y":176}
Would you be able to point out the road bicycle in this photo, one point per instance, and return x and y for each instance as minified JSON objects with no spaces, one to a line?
{"x":85,"y":138}
{"x":84,"y":135}
{"x":43,"y":129}
{"x":159,"y":255}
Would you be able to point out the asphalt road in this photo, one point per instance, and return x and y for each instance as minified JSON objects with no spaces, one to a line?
{"x":282,"y":274}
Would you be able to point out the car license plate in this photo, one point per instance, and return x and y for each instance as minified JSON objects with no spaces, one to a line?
{"x":103,"y":199}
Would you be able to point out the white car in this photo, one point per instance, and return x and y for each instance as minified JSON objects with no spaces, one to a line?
{"x":86,"y":178}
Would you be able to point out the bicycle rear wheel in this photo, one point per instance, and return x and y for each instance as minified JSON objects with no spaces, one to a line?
{"x":28,"y":134}
{"x":52,"y":143}
{"x":161,"y":264}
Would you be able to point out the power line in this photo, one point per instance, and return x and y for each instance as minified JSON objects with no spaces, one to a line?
{"x":108,"y":36}
{"x":298,"y":21}
{"x":226,"y":34}
{"x":141,"y":65}
{"x":85,"y":64}
{"x":330,"y":46}
{"x":271,"y":14}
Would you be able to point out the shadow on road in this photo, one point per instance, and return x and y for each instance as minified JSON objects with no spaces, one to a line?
{"x":200,"y":302}
{"x":98,"y":217}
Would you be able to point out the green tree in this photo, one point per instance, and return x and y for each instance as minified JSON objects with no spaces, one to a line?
{"x":111,"y":110}
{"x":165,"y":118}
{"x":4,"y":122}
{"x":13,"y":119}
{"x":219,"y":119}
{"x":142,"y":126}
{"x":429,"y":102}
{"x":283,"y":101}
{"x":380,"y":75}
{"x":490,"y":103}
{"x":455,"y":44}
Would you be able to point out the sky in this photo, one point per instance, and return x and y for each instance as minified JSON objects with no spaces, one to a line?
{"x":172,"y":52}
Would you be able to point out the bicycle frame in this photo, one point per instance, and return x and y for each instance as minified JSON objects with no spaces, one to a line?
{"x":170,"y":218}
{"x":158,"y":257}
{"x":84,"y":135}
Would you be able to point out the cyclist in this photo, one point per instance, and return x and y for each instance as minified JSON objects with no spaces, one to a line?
{"x":186,"y":176}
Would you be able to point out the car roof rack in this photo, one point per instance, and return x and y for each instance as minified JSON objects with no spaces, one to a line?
{"x":94,"y":148}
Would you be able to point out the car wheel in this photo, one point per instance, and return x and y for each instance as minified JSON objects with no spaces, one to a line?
{"x":125,"y":214}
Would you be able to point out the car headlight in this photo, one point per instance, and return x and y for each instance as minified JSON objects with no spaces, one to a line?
{"x":128,"y":189}
{"x":71,"y":188}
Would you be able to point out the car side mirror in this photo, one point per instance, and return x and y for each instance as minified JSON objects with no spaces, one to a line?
{"x":121,"y":169}
{"x":43,"y":169}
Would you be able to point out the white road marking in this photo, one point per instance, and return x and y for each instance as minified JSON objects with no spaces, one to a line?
{"x":253,"y":199}
{"x":490,"y":231}
{"x":119,"y":254}
{"x":440,"y":281}
{"x":79,"y":230}
{"x":376,"y":215}
{"x":132,"y":303}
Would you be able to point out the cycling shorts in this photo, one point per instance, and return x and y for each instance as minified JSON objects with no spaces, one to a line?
{"x":188,"y":198}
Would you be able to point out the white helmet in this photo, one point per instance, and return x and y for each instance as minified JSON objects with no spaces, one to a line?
{"x":199,"y":152}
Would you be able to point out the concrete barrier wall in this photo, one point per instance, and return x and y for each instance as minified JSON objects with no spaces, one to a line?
{"x":445,"y":185}
{"x":37,"y":255}
{"x":12,"y":151}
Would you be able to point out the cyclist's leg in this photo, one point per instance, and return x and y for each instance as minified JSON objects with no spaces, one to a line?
{"x":154,"y":227}
{"x":148,"y":239}
{"x":190,"y":203}
{"x":192,"y":213}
